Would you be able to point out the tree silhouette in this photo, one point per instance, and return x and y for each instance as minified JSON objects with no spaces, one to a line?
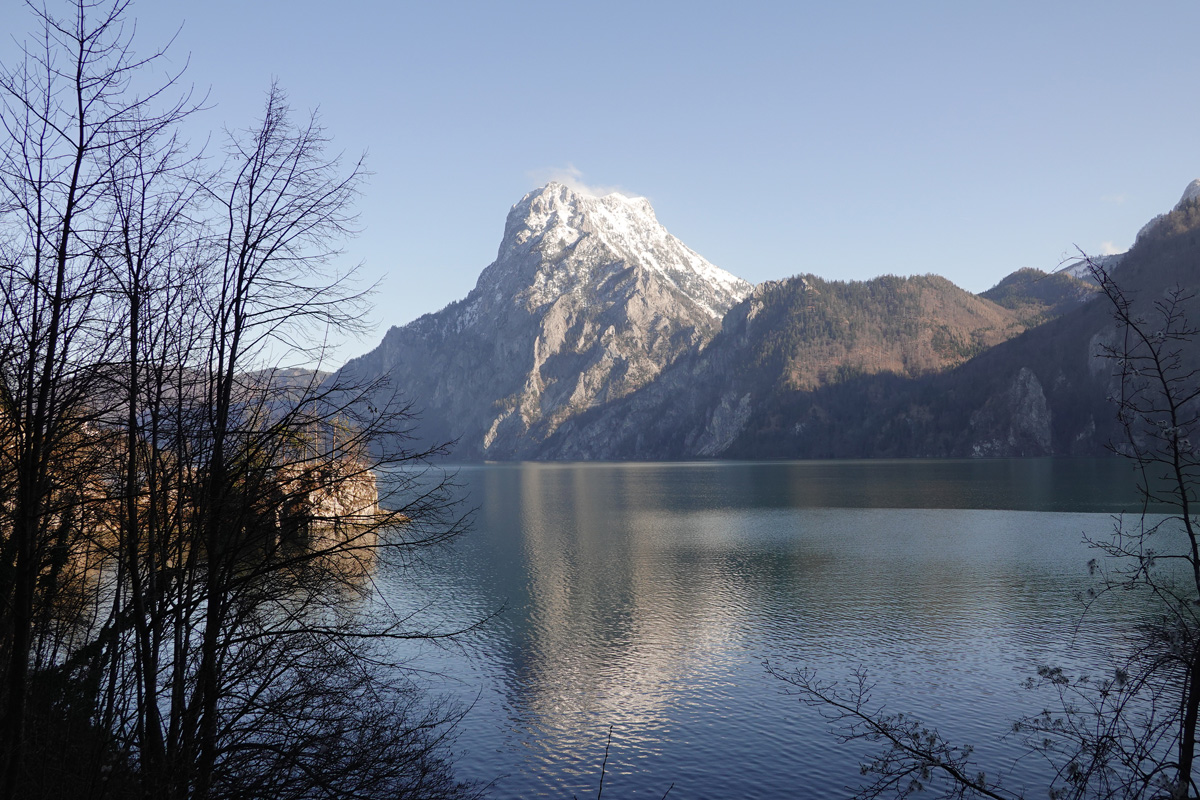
{"x":189,"y":529}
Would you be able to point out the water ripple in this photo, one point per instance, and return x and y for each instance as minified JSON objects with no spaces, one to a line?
{"x":643,"y":599}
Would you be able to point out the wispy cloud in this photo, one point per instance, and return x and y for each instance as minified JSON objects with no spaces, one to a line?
{"x":1115,"y":199}
{"x":1110,"y":249}
{"x":572,"y":176}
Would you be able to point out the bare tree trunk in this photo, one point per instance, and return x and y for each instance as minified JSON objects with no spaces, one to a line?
{"x":1187,"y":734}
{"x":67,"y":120}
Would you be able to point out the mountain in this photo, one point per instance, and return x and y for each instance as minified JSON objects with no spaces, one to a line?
{"x":800,"y":338}
{"x":1080,"y":267}
{"x":1037,"y":297}
{"x":588,"y":300}
{"x":595,"y":334}
{"x":1042,"y":392}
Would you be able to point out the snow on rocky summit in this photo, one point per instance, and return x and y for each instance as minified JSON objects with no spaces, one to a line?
{"x":588,"y":300}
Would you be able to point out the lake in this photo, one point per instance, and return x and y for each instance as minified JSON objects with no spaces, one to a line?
{"x":645,"y":598}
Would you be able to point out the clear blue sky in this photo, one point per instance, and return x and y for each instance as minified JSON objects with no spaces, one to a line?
{"x":842,"y":139}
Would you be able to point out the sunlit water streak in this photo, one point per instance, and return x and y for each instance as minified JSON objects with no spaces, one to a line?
{"x":646,"y":598}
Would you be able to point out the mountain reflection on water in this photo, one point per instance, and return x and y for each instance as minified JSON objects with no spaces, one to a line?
{"x":646,"y":597}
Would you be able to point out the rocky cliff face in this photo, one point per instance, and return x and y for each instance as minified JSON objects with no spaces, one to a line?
{"x":1022,"y":417}
{"x":588,"y":300}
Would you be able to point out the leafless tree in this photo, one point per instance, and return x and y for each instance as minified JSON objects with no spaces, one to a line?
{"x":190,"y":531}
{"x":69,"y":120}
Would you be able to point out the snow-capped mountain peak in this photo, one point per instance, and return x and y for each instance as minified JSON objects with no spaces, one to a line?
{"x":558,"y":240}
{"x":588,"y":300}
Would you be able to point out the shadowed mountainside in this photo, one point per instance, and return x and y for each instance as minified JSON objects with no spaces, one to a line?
{"x":853,"y":342}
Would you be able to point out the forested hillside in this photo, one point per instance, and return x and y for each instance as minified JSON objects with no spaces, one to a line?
{"x":1044,"y":392}
{"x":794,"y":341}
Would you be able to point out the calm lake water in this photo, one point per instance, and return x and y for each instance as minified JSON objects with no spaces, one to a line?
{"x":645,"y":599}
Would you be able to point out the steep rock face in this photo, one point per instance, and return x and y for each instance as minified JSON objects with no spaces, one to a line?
{"x":1021,"y":413}
{"x":588,"y":300}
